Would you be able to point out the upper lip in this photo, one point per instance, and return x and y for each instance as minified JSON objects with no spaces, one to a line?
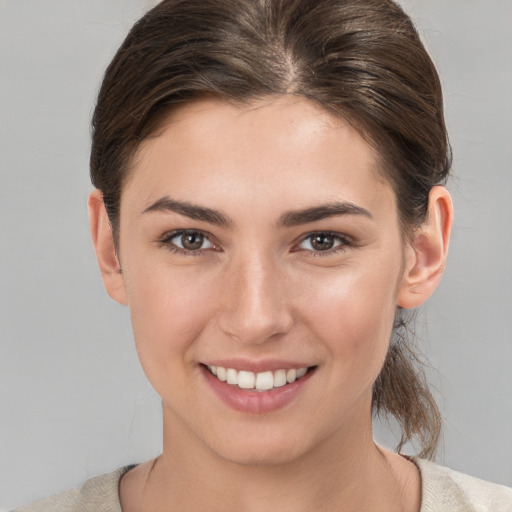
{"x":257,"y":366}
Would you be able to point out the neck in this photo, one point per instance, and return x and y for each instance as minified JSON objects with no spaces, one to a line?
{"x":341,"y":470}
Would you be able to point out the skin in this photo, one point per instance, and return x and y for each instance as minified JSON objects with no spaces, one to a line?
{"x":258,"y":290}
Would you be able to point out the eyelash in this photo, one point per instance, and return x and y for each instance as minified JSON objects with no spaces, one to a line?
{"x":166,"y":241}
{"x":344,"y":243}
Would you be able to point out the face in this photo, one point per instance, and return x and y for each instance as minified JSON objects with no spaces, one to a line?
{"x":259,"y":243}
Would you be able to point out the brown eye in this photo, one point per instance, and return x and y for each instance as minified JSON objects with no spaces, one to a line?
{"x":320,"y":242}
{"x":191,"y":241}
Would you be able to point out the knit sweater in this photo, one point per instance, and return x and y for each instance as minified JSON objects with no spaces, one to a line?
{"x":443,"y":490}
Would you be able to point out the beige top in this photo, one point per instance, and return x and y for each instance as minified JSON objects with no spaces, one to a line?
{"x":443,"y":490}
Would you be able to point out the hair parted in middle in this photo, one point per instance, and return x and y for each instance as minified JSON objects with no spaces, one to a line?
{"x":361,"y":60}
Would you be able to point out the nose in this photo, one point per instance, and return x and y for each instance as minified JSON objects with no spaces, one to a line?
{"x":255,"y":306}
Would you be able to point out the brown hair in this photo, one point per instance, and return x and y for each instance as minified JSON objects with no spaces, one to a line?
{"x":361,"y":59}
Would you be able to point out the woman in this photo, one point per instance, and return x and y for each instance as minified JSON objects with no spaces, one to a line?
{"x":268,"y":202}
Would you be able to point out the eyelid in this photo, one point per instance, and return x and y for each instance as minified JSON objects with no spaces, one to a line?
{"x":345,"y":242}
{"x":166,"y":241}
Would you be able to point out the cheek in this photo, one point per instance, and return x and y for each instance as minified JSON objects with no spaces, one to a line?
{"x":351,"y":313}
{"x":169,"y":309}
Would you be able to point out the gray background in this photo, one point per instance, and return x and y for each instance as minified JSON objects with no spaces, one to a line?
{"x":74,"y":401}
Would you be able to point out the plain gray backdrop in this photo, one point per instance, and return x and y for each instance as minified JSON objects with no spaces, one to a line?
{"x":74,"y":401}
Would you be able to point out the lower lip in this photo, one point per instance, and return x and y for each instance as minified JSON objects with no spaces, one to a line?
{"x":256,"y":402}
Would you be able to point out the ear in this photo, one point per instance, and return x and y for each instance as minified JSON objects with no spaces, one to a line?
{"x":425,"y":257}
{"x":103,"y":241}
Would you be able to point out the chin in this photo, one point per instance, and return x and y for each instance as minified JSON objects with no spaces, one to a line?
{"x":258,"y":449}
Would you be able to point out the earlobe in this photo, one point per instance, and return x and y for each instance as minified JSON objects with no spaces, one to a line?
{"x":426,"y":256}
{"x":103,"y":241}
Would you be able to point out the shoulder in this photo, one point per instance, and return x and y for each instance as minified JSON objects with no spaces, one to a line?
{"x":98,"y":494}
{"x":445,"y":490}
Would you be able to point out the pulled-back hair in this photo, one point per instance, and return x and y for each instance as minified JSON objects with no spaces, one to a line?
{"x":359,"y":59}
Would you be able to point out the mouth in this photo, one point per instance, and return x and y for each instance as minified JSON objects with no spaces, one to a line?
{"x":258,"y":381}
{"x":271,"y":387}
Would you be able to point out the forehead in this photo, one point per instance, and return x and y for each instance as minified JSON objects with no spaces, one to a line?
{"x":274,"y":148}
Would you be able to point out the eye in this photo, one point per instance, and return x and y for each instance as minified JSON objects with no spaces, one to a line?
{"x":322,"y":242}
{"x":187,"y":241}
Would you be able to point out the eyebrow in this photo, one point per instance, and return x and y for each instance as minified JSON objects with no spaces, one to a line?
{"x":166,"y":204}
{"x":295,"y":218}
{"x":288,"y":219}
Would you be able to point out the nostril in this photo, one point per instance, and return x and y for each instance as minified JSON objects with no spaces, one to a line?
{"x":255,"y":328}
{"x":253,"y":308}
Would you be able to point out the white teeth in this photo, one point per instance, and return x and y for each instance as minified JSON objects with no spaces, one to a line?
{"x":221,"y":373}
{"x":301,"y":372}
{"x":262,"y":381}
{"x":291,"y":375}
{"x":246,"y":380}
{"x":279,"y":378}
{"x":232,"y":376}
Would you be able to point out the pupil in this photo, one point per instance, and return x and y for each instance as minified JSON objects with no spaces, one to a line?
{"x":192,"y":241}
{"x":322,"y":242}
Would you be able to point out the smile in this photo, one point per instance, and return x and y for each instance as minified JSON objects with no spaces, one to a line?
{"x":269,"y":388}
{"x":261,"y":381}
